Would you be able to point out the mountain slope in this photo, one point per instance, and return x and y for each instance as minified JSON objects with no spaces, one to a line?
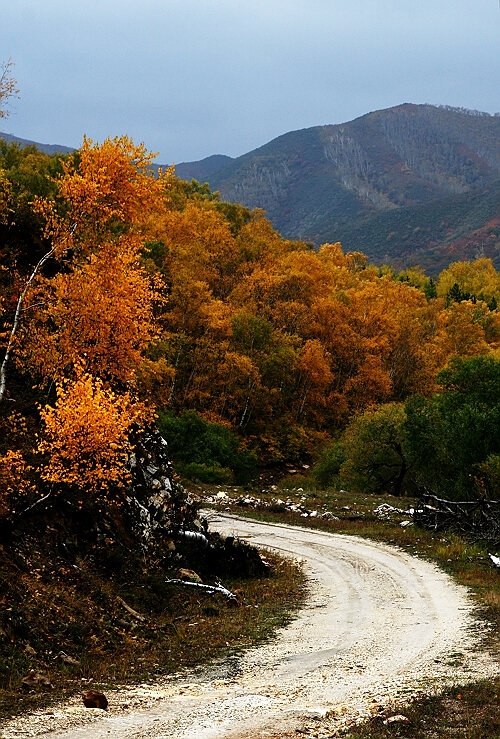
{"x":47,"y":148}
{"x":330,"y":182}
{"x":459,"y":227}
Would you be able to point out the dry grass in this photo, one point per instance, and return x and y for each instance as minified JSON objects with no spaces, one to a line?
{"x":53,"y":609}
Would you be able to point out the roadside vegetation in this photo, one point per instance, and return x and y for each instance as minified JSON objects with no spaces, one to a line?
{"x":113,"y":619}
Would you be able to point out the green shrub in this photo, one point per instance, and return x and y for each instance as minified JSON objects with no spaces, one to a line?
{"x":326,"y":471}
{"x":375,"y":460}
{"x":212,"y":474}
{"x":453,"y":438}
{"x":205,"y":449}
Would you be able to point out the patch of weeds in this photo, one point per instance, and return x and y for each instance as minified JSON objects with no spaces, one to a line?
{"x":468,"y":711}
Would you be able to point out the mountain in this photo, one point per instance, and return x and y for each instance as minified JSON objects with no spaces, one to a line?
{"x":396,"y":183}
{"x":47,"y":148}
{"x":406,"y":185}
{"x":202,"y":169}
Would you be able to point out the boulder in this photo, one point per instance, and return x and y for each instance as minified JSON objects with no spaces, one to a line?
{"x":34,"y":681}
{"x":94,"y":699}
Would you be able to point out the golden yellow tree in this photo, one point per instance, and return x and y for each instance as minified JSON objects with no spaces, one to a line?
{"x":85,"y":440}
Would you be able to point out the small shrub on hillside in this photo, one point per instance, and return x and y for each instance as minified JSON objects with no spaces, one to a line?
{"x":211,"y":474}
{"x":326,"y":471}
{"x":206,"y":449}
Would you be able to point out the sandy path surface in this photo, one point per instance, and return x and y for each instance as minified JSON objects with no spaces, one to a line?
{"x":378,"y":625}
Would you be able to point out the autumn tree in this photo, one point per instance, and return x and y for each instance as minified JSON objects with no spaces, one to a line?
{"x":476,"y":280}
{"x":8,"y":87}
{"x":85,"y":438}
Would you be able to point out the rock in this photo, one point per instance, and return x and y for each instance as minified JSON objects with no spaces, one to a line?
{"x":405,"y":524}
{"x":67,"y":659}
{"x":94,"y":699}
{"x":33,"y":680}
{"x":185,"y":574}
{"x":399,"y":719}
{"x":495,"y":560}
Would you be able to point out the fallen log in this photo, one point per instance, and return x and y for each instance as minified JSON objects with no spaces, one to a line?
{"x":130,"y":610}
{"x":209,"y":589}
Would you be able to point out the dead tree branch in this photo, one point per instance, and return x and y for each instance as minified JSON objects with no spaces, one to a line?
{"x":209,"y":589}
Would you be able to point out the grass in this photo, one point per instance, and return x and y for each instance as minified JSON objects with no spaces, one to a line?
{"x":53,"y":609}
{"x":471,"y":711}
{"x":468,"y":711}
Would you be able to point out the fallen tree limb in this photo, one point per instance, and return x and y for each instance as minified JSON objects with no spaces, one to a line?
{"x":209,"y":589}
{"x":130,"y":610}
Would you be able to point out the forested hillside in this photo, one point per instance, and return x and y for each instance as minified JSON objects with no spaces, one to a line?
{"x":132,"y":303}
{"x":371,"y":174}
{"x":153,"y":296}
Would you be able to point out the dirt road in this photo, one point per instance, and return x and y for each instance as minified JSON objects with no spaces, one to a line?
{"x":378,"y":625}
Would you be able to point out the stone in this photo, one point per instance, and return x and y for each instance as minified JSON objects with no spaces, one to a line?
{"x":95,"y":699}
{"x":185,"y":574}
{"x":399,"y":719}
{"x":34,"y":680}
{"x":67,"y":659}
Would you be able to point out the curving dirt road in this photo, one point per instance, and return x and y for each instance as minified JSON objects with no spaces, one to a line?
{"x":378,"y":625}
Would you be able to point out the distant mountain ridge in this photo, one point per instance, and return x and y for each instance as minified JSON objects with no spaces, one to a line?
{"x":47,"y":148}
{"x":334,"y":182}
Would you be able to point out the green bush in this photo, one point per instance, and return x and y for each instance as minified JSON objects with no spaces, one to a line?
{"x":453,"y":438}
{"x":212,"y":474}
{"x":375,"y":459}
{"x":206,"y":450}
{"x":326,"y":471}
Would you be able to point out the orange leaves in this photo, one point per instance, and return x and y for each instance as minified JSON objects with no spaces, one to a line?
{"x":99,"y":315}
{"x":109,"y":183}
{"x":13,"y":478}
{"x":315,"y":365}
{"x":86,"y":435}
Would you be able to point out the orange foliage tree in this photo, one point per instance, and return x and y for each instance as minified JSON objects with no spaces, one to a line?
{"x":86,"y":435}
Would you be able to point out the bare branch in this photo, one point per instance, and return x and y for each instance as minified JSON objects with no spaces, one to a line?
{"x":130,"y":610}
{"x":8,"y":87}
{"x":3,"y":368}
{"x":209,"y":589}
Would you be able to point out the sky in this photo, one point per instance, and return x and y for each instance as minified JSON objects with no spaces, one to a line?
{"x":191,"y":78}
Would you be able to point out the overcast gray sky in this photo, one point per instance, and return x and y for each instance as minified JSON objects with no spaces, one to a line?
{"x":192,"y":78}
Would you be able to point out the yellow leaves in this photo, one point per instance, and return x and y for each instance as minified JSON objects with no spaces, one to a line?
{"x":5,"y":192}
{"x":332,"y":254}
{"x":461,"y":330}
{"x":86,"y":435}
{"x":111,"y":182}
{"x":479,"y":279}
{"x":13,"y":478}
{"x":100,"y":314}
